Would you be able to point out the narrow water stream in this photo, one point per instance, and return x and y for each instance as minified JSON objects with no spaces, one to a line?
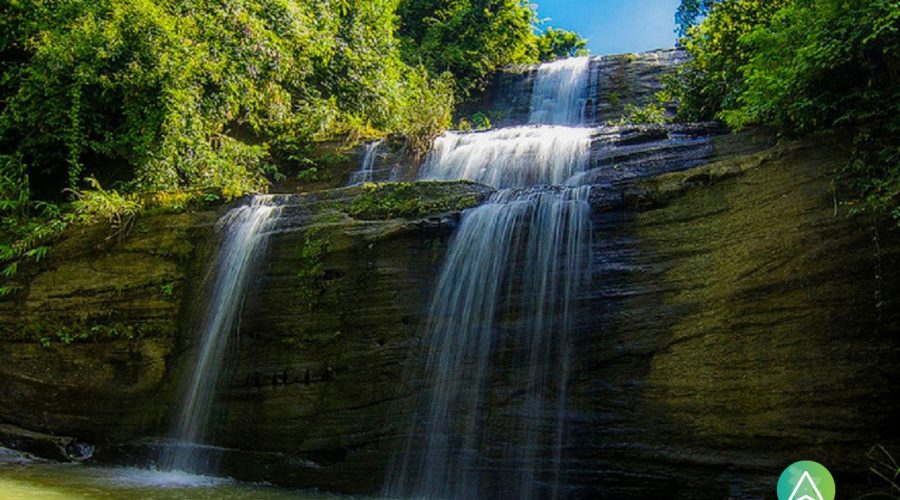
{"x":244,"y":234}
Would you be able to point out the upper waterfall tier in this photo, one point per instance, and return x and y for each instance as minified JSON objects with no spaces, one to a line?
{"x":612,"y":83}
{"x":510,"y":157}
{"x":560,"y":92}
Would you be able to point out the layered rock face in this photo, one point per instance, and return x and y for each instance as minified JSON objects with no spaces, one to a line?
{"x":86,"y":343}
{"x":616,"y":81}
{"x":734,"y":324}
{"x":737,"y":326}
{"x":738,"y":318}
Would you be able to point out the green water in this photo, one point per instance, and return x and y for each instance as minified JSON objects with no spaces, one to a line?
{"x":39,"y":481}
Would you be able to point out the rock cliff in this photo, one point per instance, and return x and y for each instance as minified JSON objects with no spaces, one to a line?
{"x":739,"y":318}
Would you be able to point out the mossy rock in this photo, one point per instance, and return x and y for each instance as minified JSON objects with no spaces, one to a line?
{"x":413,"y":199}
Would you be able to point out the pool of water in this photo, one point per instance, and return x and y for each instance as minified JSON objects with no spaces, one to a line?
{"x":30,"y":480}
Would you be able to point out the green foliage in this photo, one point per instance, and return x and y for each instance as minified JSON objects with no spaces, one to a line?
{"x":651,"y":113}
{"x":689,"y":13}
{"x":427,"y":112}
{"x":481,"y":121}
{"x":873,"y":172}
{"x":310,"y":284}
{"x":555,"y":44}
{"x":50,"y":332}
{"x":310,"y":174}
{"x":820,"y":64}
{"x":478,"y":121}
{"x":468,"y":38}
{"x":162,"y":86}
{"x":406,"y":199}
{"x":614,"y":98}
{"x":712,"y":80}
{"x":98,"y":204}
{"x":15,"y":195}
{"x":803,"y":66}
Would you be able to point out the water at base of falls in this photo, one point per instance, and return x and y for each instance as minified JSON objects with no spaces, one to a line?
{"x":244,"y":232}
{"x":77,"y":481}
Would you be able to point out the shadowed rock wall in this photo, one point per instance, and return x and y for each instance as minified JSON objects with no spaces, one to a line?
{"x":616,"y":81}
{"x":86,"y":343}
{"x":735,"y":325}
{"x":736,"y":322}
{"x":738,"y":328}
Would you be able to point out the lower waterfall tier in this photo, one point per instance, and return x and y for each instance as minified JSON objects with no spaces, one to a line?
{"x":735,"y":322}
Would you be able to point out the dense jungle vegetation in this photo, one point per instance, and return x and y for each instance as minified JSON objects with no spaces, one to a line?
{"x":112,"y":107}
{"x":801,"y":67}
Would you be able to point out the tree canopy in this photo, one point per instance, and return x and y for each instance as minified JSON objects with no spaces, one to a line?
{"x":559,"y":44}
{"x":468,"y":38}
{"x":166,"y":94}
{"x":803,"y":66}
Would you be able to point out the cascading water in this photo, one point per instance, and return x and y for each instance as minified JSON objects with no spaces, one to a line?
{"x":516,"y":156}
{"x":364,"y":174}
{"x":245,"y":233}
{"x":500,"y":318}
{"x":560,"y":92}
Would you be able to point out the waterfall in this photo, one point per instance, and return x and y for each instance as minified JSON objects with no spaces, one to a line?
{"x":499,"y":324}
{"x":244,"y":232}
{"x":560,"y":92}
{"x":506,"y":157}
{"x":364,"y":174}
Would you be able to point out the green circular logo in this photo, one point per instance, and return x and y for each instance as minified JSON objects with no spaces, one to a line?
{"x":806,"y":480}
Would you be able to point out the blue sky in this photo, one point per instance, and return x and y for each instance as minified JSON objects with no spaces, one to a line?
{"x":614,"y":26}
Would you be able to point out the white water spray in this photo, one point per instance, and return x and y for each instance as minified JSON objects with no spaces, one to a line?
{"x":245,"y":233}
{"x":508,"y":157}
{"x":560,"y":92}
{"x":366,"y":167}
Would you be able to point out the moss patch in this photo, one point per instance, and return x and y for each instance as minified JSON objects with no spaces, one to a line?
{"x":411,"y":199}
{"x":50,"y":332}
{"x":657,"y":191}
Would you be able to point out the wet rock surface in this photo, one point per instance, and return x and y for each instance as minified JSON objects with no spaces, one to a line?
{"x":30,"y":445}
{"x":738,"y":319}
{"x":734,"y":325}
{"x":85,"y":346}
{"x":737,"y":327}
{"x":617,"y":81}
{"x":736,"y":322}
{"x":629,"y":79}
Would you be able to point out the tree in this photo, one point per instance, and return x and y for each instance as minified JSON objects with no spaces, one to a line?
{"x":559,"y":44}
{"x":689,"y":14}
{"x":469,"y":38}
{"x":803,"y":66}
